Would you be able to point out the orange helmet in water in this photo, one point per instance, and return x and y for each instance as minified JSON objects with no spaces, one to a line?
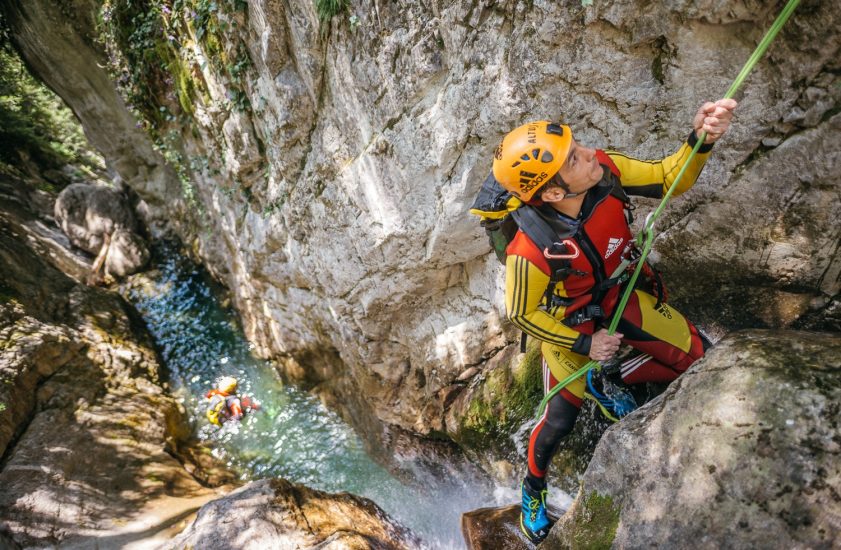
{"x":530,"y":156}
{"x":227,"y":384}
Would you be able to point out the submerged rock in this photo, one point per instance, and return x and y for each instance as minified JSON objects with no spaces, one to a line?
{"x":275,"y":513}
{"x":742,"y":451}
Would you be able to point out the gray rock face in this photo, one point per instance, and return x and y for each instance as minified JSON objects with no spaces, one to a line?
{"x":87,"y":213}
{"x":742,"y":451}
{"x":274,"y":513}
{"x":335,"y":208}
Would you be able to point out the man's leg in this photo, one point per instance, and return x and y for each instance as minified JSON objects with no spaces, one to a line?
{"x":669,"y":342}
{"x":557,"y":421}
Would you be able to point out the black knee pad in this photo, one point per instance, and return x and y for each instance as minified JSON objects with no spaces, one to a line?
{"x":561,"y":418}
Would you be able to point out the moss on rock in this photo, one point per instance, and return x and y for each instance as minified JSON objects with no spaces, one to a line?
{"x":591,"y":523}
{"x":504,"y":400}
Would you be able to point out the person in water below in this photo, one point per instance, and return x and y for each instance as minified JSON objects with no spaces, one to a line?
{"x":224,"y":404}
{"x":581,"y":194}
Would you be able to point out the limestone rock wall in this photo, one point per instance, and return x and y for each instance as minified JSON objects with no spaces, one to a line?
{"x":334,"y":201}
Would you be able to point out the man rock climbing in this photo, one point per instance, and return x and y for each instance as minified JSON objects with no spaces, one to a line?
{"x":562,"y":295}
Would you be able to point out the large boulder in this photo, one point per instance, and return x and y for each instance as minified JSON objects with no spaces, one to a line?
{"x":742,"y":451}
{"x":88,"y":213}
{"x":275,"y":513}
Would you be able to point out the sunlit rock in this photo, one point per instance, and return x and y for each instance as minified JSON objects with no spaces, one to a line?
{"x":739,"y":452}
{"x":274,"y":513}
{"x":94,"y":217}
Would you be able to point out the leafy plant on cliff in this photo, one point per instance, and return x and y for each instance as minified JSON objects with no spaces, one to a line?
{"x":154,"y":59}
{"x":327,"y":9}
{"x":160,"y":53}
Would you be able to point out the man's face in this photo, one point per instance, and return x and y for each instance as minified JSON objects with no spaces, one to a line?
{"x":582,"y":170}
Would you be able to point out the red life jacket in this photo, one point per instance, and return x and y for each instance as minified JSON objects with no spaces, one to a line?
{"x":600,"y":239}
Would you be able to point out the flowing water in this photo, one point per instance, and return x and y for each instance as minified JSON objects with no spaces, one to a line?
{"x":293,"y":435}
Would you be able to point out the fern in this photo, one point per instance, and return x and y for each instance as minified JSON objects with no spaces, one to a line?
{"x":326,"y":9}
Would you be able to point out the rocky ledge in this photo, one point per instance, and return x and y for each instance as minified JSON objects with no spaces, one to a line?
{"x":95,"y":453}
{"x":740,"y":452}
{"x":88,"y":436}
{"x":274,"y":513}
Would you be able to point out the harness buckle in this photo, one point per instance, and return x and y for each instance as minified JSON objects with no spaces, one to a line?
{"x":566,"y":242}
{"x":586,"y":313}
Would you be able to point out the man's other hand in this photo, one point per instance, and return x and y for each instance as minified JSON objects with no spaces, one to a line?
{"x":714,"y":119}
{"x":603,"y":346}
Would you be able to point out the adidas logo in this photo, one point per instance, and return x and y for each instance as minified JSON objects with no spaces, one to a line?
{"x":612,"y":246}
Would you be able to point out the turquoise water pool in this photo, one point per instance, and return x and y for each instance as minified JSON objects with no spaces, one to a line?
{"x":293,"y":435}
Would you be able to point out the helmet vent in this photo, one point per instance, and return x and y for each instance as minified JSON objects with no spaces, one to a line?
{"x":516,"y":164}
{"x":547,"y":157}
{"x":554,"y":129}
{"x":535,"y":153}
{"x":525,"y":157}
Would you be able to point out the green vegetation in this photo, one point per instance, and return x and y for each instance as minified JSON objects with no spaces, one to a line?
{"x":35,"y":125}
{"x":507,"y":399}
{"x":160,"y":52}
{"x":327,"y":9}
{"x":150,"y":44}
{"x":594,"y":522}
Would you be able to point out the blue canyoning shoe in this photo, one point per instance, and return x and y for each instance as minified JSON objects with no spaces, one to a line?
{"x":534,"y":522}
{"x":613,"y":400}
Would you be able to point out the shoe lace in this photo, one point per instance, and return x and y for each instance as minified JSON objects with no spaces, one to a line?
{"x":534,"y":507}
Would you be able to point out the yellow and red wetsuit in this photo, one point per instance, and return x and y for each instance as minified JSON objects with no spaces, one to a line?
{"x":223,"y":406}
{"x":670,"y":343}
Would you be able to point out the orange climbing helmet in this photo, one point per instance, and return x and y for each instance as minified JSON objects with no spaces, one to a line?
{"x":530,"y":156}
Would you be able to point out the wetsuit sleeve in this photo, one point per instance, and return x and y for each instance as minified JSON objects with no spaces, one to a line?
{"x":525,"y":285}
{"x":235,"y":407}
{"x":653,"y":178}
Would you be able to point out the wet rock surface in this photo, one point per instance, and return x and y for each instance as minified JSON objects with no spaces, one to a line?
{"x":490,"y":528}
{"x":275,"y":513}
{"x":742,"y":451}
{"x":494,"y":528}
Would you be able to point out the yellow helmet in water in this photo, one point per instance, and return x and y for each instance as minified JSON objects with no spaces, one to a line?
{"x":227,"y":384}
{"x":530,"y":156}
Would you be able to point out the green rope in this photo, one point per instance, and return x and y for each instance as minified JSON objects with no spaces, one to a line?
{"x":645,"y":238}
